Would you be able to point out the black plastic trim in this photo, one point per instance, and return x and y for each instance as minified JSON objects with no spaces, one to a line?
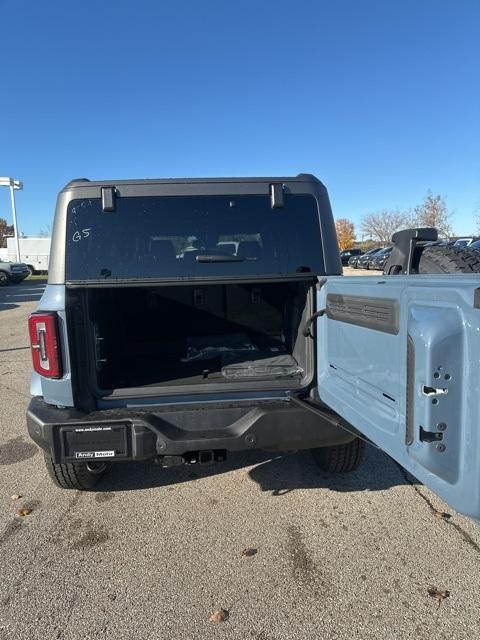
{"x":410,"y":388}
{"x":276,"y":195}
{"x":108,"y":198}
{"x":476,"y":299}
{"x":153,"y":282}
{"x":405,"y":256}
{"x":269,"y":425}
{"x":379,"y":314}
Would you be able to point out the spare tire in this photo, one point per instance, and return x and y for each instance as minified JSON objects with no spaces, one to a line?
{"x":438,"y":259}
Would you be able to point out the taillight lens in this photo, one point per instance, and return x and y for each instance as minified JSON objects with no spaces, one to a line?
{"x":45,"y":344}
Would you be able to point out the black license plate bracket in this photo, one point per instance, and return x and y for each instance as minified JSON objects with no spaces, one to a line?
{"x":95,"y":441}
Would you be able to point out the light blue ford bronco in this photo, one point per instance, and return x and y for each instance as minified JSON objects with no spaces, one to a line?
{"x":187,"y":318}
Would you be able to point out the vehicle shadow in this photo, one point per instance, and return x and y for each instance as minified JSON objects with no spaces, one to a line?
{"x":6,"y":306}
{"x":13,"y":295}
{"x":284,"y":474}
{"x":276,"y":474}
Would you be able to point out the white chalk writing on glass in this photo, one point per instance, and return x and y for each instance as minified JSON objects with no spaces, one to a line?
{"x":79,"y":235}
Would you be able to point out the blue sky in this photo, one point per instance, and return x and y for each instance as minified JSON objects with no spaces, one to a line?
{"x":380,"y":99}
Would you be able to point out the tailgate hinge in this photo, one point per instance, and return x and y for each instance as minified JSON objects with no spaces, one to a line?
{"x":276,"y":195}
{"x":108,"y":198}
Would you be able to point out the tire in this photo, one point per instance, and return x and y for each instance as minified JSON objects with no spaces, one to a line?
{"x":341,"y":458}
{"x":31,"y":270}
{"x":4,"y":278}
{"x":437,"y":259}
{"x":74,"y":475}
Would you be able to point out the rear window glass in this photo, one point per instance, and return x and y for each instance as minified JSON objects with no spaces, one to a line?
{"x":192,"y":237}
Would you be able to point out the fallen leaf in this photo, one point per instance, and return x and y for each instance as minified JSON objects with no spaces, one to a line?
{"x":23,"y":511}
{"x":219,"y":615}
{"x":442,"y":514}
{"x":249,"y":552}
{"x":438,"y":594}
{"x":15,"y":497}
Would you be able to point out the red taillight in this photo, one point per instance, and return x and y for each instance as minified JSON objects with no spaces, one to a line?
{"x":44,"y":343}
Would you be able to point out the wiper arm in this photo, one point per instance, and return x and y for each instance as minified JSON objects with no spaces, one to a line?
{"x":217,"y":258}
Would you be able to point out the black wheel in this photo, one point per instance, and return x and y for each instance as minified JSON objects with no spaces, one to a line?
{"x":437,"y":259}
{"x":342,"y":458}
{"x":75,"y":475}
{"x":31,"y":270}
{"x":4,"y":279}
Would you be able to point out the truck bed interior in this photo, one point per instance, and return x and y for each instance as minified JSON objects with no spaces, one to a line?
{"x":184,"y":336}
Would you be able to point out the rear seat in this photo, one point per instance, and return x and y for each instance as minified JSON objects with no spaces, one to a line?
{"x":249,"y":307}
{"x":249,"y":249}
{"x":244,"y":305}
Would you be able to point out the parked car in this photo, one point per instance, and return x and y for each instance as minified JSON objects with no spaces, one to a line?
{"x":475,"y":245}
{"x":466,"y":242}
{"x":378,"y":260}
{"x":353,"y":260}
{"x":349,"y":253}
{"x":13,"y":272}
{"x":140,"y":354}
{"x":364,"y":261}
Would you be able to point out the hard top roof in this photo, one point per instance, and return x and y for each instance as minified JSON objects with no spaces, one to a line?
{"x":83,"y":182}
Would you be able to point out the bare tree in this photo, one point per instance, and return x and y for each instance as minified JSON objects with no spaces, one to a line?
{"x":433,"y":212}
{"x":382,"y":225}
{"x":345,"y":233}
{"x":477,"y":216}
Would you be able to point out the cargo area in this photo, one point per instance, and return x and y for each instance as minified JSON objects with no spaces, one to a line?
{"x":192,"y":336}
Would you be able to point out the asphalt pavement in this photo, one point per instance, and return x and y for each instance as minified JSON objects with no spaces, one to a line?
{"x":152,"y":553}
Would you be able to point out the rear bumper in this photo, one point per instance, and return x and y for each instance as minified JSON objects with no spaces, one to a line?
{"x":177,"y":430}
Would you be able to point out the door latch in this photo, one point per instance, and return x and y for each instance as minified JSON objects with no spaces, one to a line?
{"x":430,"y":436}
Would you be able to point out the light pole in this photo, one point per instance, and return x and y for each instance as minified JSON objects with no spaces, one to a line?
{"x":14,"y":185}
